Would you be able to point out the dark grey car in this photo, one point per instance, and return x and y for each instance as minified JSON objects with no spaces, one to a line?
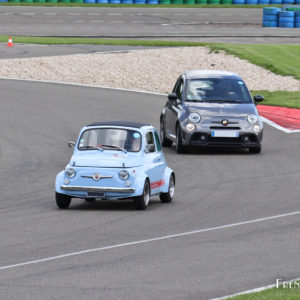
{"x":211,"y":108}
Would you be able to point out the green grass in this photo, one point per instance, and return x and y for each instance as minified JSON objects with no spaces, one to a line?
{"x":272,"y":294}
{"x":278,"y":58}
{"x":280,"y":98}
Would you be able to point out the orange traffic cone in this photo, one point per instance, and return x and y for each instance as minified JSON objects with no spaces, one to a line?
{"x":10,"y":43}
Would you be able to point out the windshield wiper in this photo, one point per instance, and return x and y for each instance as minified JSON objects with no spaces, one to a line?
{"x":224,"y":101}
{"x":115,"y":147}
{"x":91,"y":147}
{"x":194,"y":100}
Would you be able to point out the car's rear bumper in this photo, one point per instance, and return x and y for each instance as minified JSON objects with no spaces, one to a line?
{"x":96,"y":189}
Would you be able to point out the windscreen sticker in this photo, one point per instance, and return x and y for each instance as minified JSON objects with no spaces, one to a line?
{"x":241,"y":82}
{"x":136,"y":135}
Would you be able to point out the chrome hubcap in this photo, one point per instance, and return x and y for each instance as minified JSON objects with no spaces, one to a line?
{"x":171,"y":187}
{"x":146,"y":194}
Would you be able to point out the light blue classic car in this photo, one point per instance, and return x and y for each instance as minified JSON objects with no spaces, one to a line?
{"x":116,"y":160}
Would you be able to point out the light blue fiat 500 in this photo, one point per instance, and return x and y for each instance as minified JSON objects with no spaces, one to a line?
{"x":116,"y":160}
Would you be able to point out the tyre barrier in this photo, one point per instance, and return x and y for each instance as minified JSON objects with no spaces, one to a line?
{"x":287,"y":17}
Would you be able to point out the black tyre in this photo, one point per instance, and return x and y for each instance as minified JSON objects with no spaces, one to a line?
{"x":62,"y":201}
{"x":168,"y":197}
{"x":164,"y":141}
{"x":255,"y":149}
{"x":179,"y":147}
{"x":141,"y":202}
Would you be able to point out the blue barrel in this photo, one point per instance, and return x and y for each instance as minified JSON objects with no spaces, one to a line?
{"x":152,"y":1}
{"x":89,"y":1}
{"x":297,"y":1}
{"x":139,"y":1}
{"x":288,"y":1}
{"x":102,"y":1}
{"x":270,"y":18}
{"x":127,"y":1}
{"x":251,"y":2}
{"x":238,"y":1}
{"x":297,"y":14}
{"x":270,"y":23}
{"x":297,"y":25}
{"x":271,"y":11}
{"x":3,"y":0}
{"x":114,"y":1}
{"x":276,"y":1}
{"x":286,"y":19}
{"x":263,"y":2}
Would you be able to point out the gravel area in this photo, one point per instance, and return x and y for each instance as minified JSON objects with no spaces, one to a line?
{"x":149,"y":70}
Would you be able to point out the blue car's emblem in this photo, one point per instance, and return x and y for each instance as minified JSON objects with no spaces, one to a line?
{"x":96,"y":176}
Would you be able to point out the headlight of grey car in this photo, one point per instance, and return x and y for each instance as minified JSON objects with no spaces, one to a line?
{"x":252,"y":119}
{"x":70,"y":172}
{"x":194,"y":117}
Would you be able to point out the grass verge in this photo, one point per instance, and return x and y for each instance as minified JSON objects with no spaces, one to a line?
{"x":280,"y":98}
{"x":279,"y":293}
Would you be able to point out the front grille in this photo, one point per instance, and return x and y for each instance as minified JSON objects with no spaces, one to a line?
{"x":224,"y":128}
{"x":224,"y":140}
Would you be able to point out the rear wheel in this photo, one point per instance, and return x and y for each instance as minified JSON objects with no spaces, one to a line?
{"x":62,"y":201}
{"x":164,"y":141}
{"x":255,"y":149}
{"x":179,"y":147}
{"x":141,"y":202}
{"x":168,"y":197}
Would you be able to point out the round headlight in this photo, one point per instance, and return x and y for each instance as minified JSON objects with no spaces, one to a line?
{"x":256,"y":128}
{"x":194,"y":117}
{"x":252,"y":119}
{"x":70,"y":172}
{"x":190,"y":127}
{"x":124,"y":175}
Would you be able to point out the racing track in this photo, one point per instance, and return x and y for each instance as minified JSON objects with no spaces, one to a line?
{"x":214,"y":188}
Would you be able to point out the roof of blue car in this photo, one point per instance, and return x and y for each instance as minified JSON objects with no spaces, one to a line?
{"x":120,"y":123}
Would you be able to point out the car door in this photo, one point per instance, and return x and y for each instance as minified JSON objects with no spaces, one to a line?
{"x":155,"y":161}
{"x":173,"y":108}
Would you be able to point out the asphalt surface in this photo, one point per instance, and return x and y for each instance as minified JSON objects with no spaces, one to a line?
{"x":214,"y":188}
{"x":215,"y":24}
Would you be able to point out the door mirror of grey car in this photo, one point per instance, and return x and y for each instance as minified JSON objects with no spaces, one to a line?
{"x":71,"y":145}
{"x":172,"y":97}
{"x":258,"y":98}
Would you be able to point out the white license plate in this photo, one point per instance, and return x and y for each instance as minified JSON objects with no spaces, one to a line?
{"x":225,"y":133}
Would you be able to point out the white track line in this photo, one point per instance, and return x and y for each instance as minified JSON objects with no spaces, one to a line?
{"x":267,"y":121}
{"x":177,"y":235}
{"x":256,"y":290}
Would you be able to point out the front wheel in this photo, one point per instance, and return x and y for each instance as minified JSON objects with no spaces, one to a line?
{"x":62,"y":201}
{"x":141,"y":202}
{"x":164,"y":141}
{"x":168,"y":197}
{"x":255,"y":149}
{"x":180,"y":148}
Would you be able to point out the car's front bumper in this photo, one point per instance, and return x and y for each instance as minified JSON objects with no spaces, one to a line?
{"x":244,"y":140}
{"x":97,"y":189}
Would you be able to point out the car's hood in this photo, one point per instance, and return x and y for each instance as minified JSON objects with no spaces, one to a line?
{"x":105,"y":159}
{"x":222,"y":109}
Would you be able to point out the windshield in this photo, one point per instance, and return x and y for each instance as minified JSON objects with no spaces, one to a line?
{"x":110,"y":139}
{"x":217,"y":90}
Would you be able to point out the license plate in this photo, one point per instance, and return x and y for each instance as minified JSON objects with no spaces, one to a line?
{"x":96,"y":194}
{"x":225,"y":133}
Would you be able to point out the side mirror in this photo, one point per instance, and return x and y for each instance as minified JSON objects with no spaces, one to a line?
{"x":172,"y":97}
{"x":258,"y":98}
{"x":150,"y":148}
{"x":71,"y":145}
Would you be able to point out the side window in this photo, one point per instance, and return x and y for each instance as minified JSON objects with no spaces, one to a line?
{"x":179,"y":89}
{"x":150,"y":146}
{"x":157,"y":142}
